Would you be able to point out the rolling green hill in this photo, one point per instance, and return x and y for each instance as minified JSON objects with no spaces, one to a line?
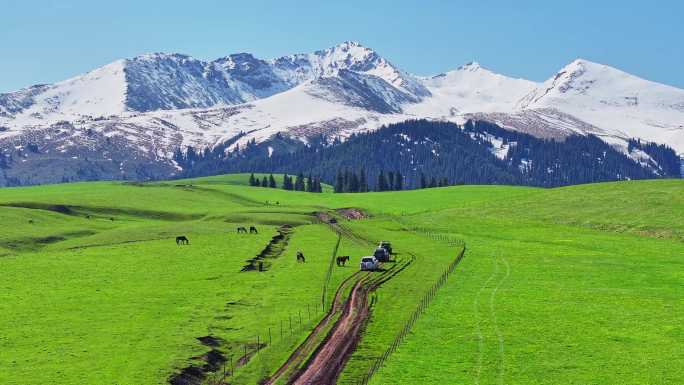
{"x":579,"y":284}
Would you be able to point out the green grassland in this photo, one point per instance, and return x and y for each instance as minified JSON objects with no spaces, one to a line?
{"x":576,"y":285}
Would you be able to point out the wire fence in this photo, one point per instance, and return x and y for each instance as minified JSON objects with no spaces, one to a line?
{"x":285,"y":330}
{"x":222,"y":366}
{"x":424,"y":302}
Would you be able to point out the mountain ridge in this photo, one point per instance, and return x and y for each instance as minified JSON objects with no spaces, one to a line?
{"x":156,"y":103}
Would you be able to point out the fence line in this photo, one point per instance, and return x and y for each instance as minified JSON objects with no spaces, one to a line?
{"x":242,"y":353}
{"x":422,"y":305}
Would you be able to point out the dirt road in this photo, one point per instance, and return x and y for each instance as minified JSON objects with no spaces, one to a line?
{"x":327,"y":363}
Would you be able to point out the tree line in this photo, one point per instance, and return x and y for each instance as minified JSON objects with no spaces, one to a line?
{"x":431,"y":154}
{"x":299,"y":183}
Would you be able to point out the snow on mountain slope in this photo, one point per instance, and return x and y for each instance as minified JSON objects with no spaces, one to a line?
{"x":299,"y":112}
{"x":160,"y":102}
{"x":348,"y":72}
{"x":469,"y":89}
{"x":619,"y":103}
{"x":97,"y":93}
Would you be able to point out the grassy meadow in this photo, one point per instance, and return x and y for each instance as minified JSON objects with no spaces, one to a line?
{"x":574,"y":285}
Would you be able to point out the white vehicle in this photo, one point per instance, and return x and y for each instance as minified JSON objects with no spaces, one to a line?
{"x":369,"y":263}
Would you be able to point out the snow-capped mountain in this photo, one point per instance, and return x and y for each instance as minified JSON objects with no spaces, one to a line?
{"x":160,"y":81}
{"x":617,"y":102}
{"x":153,"y":104}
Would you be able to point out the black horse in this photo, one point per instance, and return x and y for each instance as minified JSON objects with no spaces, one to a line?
{"x":241,"y":230}
{"x":342,"y":260}
{"x":253,"y":230}
{"x":182,"y":240}
{"x":300,"y":257}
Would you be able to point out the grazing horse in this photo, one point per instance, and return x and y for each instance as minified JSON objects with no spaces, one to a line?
{"x":182,"y":240}
{"x":342,"y":260}
{"x":253,"y":230}
{"x":241,"y":230}
{"x":300,"y":257}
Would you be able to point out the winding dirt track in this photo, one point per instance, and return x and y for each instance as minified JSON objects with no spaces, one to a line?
{"x":327,"y":356}
{"x":327,"y":363}
{"x":329,"y":360}
{"x":310,"y":344}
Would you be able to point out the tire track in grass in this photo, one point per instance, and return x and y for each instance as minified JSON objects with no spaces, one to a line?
{"x":480,"y":337}
{"x":492,"y":309}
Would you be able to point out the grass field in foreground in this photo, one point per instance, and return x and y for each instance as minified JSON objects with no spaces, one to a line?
{"x":571,"y":285}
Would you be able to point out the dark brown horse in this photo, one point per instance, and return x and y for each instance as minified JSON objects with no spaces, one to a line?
{"x":182,"y":240}
{"x":253,"y":230}
{"x":342,"y":260}
{"x":241,"y":230}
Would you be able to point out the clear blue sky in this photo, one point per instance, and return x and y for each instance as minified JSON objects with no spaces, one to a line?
{"x":51,"y":40}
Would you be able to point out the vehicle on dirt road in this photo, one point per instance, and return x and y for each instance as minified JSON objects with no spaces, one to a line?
{"x":381,"y":254}
{"x":387,"y":246}
{"x":369,"y":263}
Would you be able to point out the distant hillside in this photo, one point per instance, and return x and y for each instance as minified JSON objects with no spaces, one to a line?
{"x":475,"y":153}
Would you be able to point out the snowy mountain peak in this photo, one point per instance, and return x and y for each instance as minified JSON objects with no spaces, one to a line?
{"x":471,"y":66}
{"x":162,"y":101}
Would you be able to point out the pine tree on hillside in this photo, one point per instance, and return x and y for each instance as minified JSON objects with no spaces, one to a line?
{"x":423,"y":181}
{"x":339,"y":182}
{"x":390,"y":180}
{"x":272,"y":182}
{"x":287,"y":182}
{"x":257,"y":182}
{"x":354,"y":183}
{"x":363,"y":182}
{"x":252,"y":181}
{"x":398,"y":181}
{"x":309,"y":184}
{"x":382,"y":182}
{"x":264,"y":182}
{"x":299,"y":183}
{"x":347,"y":180}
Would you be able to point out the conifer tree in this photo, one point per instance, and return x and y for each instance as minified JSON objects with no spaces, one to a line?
{"x":398,"y":181}
{"x":299,"y":183}
{"x":252,"y":181}
{"x":382,"y":182}
{"x":309,"y":184}
{"x":354,"y":185}
{"x":363,"y":182}
{"x":287,"y":182}
{"x":339,"y":182}
{"x":257,"y":182}
{"x":272,"y":182}
{"x":264,"y":182}
{"x":347,"y":180}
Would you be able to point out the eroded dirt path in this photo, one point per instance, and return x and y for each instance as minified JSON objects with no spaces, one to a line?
{"x":314,"y":339}
{"x":322,"y":356}
{"x":326,"y":365}
{"x":328,"y":361}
